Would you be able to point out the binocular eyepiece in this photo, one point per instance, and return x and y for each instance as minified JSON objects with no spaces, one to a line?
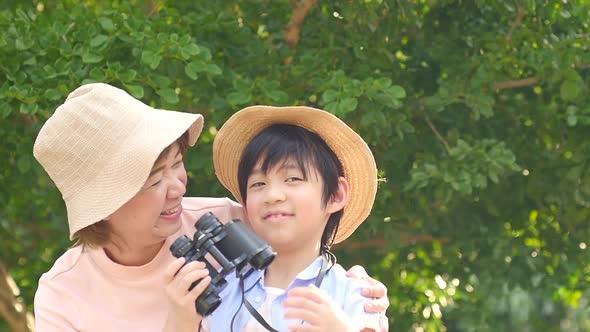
{"x":233,"y":245}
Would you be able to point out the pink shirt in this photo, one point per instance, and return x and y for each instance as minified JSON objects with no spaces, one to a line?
{"x":86,"y":291}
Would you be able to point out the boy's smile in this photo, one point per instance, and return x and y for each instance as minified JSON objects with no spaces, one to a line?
{"x":277,"y":216}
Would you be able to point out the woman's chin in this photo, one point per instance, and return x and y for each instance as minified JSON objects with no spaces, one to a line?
{"x":165,"y":228}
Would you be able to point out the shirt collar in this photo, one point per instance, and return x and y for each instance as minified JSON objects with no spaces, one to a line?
{"x":309,"y":273}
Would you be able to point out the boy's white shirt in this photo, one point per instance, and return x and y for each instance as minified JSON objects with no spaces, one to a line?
{"x":344,"y":291}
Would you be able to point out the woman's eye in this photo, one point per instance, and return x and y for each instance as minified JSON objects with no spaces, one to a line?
{"x":156,"y":183}
{"x":178,"y":163}
{"x":293,"y":179}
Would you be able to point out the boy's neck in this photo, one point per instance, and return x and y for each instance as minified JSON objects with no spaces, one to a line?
{"x":287,"y":265}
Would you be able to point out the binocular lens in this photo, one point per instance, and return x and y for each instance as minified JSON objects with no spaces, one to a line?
{"x":262,"y":259}
{"x":208,"y":222}
{"x":181,"y":246}
{"x":207,"y":302}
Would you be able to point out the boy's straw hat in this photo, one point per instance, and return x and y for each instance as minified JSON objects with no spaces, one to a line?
{"x":354,"y":154}
{"x":100,"y":146}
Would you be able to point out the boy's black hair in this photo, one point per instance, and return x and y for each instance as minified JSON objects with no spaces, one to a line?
{"x":279,"y":142}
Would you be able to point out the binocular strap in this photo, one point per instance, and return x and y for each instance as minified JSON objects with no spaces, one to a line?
{"x":254,"y":312}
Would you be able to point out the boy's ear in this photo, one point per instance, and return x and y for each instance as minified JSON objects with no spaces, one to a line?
{"x":339,"y":199}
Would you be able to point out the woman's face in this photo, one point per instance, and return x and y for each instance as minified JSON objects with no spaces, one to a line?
{"x":153,"y":214}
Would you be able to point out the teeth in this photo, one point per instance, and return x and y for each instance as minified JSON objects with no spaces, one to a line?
{"x":277,"y":215}
{"x":169,"y":212}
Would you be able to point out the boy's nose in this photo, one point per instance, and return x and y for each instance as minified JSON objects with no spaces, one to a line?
{"x":274,"y":194}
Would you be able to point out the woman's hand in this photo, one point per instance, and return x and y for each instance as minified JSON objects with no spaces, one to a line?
{"x":182,"y":313}
{"x":376,"y":291}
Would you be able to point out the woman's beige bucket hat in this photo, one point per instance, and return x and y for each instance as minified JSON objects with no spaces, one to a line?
{"x":100,"y":146}
{"x":352,"y":151}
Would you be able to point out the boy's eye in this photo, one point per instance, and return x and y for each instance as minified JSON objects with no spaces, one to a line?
{"x":256,"y":184}
{"x":178,"y":163}
{"x":293,"y":179}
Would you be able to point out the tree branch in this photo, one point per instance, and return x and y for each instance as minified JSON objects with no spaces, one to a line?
{"x":293,"y":30}
{"x":380,"y":241}
{"x":517,"y":21}
{"x":517,"y":83}
{"x":12,"y":306}
{"x":435,"y":131}
{"x":152,"y":7}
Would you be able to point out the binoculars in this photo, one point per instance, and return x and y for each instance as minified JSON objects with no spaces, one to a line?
{"x":233,"y":245}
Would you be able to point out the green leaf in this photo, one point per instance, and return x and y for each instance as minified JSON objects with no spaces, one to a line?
{"x":24,"y":164}
{"x":493,"y":177}
{"x":190,"y":71}
{"x":30,"y":61}
{"x":213,"y":69}
{"x":151,"y":58}
{"x":572,"y":120}
{"x":169,"y":95}
{"x":277,"y":95}
{"x":161,"y":80}
{"x":107,"y":24}
{"x":28,"y":108}
{"x":128,"y":75}
{"x":91,"y":58}
{"x":381,"y":83}
{"x":97,"y":74}
{"x":569,"y":90}
{"x":239,"y":97}
{"x":347,"y":105}
{"x":52,"y":94}
{"x":329,"y":95}
{"x":192,"y":49}
{"x":5,"y":109}
{"x":397,"y":92}
{"x":98,"y":40}
{"x":135,"y":90}
{"x":20,"y":45}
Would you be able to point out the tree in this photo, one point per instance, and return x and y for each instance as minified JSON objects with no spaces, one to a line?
{"x":477,"y":113}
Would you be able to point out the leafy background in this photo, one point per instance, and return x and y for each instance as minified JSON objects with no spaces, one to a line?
{"x":477,"y":112}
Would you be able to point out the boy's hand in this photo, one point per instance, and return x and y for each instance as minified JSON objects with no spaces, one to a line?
{"x":376,"y":291}
{"x":313,"y":306}
{"x":182,"y":313}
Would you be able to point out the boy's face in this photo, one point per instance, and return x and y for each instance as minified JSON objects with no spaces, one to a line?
{"x":285,"y":208}
{"x":153,"y":214}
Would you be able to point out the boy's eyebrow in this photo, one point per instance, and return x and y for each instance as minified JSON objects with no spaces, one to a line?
{"x":283,"y":167}
{"x":256,"y":171}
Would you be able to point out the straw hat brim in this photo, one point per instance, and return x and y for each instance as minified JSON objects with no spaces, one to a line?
{"x":357,"y":160}
{"x":128,"y":168}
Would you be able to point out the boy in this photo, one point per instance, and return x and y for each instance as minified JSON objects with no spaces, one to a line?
{"x":306,"y":180}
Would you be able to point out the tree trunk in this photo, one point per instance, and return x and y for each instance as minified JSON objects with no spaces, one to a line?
{"x":12,"y":307}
